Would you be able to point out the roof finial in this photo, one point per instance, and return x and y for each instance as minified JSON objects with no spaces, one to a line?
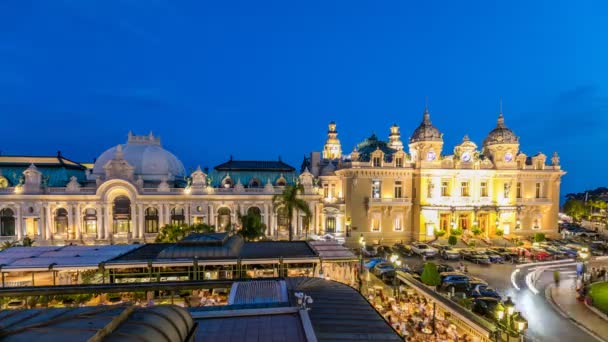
{"x":500,"y":106}
{"x":426,"y":117}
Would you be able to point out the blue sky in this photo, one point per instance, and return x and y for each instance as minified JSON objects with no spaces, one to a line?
{"x":261,"y":79}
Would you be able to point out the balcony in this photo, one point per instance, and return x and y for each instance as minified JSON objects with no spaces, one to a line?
{"x":390,"y":201}
{"x":533,"y":201}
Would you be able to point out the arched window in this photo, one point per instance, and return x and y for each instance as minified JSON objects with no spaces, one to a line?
{"x":254,"y":211}
{"x":61,"y":221}
{"x":122,"y":214}
{"x":90,"y":221}
{"x":281,"y":182}
{"x":177,"y":216}
{"x":223,"y":219}
{"x":7,"y":222}
{"x":255,"y":183}
{"x":227,"y":182}
{"x":151,"y":220}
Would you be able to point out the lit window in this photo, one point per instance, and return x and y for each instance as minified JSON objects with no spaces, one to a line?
{"x":445,"y":190}
{"x":332,"y":190}
{"x":330,"y":225}
{"x":376,"y":162}
{"x":398,"y":189}
{"x":484,"y":189}
{"x":375,"y":223}
{"x":399,"y":162}
{"x":518,"y":190}
{"x":376,"y":189}
{"x":398,"y":224}
{"x":464,"y":189}
{"x":538,"y":192}
{"x":325,"y":191}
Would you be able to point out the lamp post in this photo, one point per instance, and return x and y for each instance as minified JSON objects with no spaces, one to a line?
{"x":396,"y":263}
{"x":514,"y":324}
{"x":362,"y":244}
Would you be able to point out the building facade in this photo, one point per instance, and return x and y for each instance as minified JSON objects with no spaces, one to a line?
{"x":133,"y":189}
{"x":386,"y":194}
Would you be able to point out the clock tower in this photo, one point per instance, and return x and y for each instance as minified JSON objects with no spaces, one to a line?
{"x":501,"y":145}
{"x":426,"y":143}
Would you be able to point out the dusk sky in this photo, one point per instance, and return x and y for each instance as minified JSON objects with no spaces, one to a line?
{"x":261,"y":79}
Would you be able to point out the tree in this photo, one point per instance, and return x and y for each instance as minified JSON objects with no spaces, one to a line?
{"x":539,"y":237}
{"x":456,"y":231}
{"x":252,"y":226}
{"x":452,"y":240}
{"x":7,"y":245}
{"x":439,"y":233}
{"x":575,"y":208}
{"x":174,"y":232}
{"x":27,"y":242}
{"x":476,"y":231}
{"x":430,"y":274}
{"x":291,"y":203}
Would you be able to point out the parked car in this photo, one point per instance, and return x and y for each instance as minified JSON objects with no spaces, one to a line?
{"x":441,"y":268}
{"x":481,"y":290}
{"x":494,"y":257}
{"x":424,"y":249}
{"x":506,"y":253}
{"x":556,"y":252}
{"x":447,"y":252}
{"x":15,"y":304}
{"x":539,"y":254}
{"x":456,"y":281}
{"x":369,"y":251}
{"x":402,"y":250}
{"x":373,"y":262}
{"x":383,"y":270}
{"x":485,"y":306}
{"x":473,"y":256}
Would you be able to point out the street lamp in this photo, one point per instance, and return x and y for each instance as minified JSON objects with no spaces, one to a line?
{"x":394,"y":259}
{"x":362,"y":244}
{"x":519,"y":324}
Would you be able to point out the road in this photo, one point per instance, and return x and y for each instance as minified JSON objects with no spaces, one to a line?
{"x":544,"y":323}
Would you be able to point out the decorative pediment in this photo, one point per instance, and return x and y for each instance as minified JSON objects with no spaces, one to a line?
{"x":119,"y":168}
{"x":163,"y":186}
{"x":73,"y":185}
{"x":32,"y":180}
{"x":199,"y":178}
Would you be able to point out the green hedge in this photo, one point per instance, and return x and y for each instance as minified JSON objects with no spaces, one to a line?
{"x":599,"y":295}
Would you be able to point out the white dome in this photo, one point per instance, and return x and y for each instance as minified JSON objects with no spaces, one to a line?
{"x":147,"y":156}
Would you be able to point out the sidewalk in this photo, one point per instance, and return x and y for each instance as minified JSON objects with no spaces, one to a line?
{"x":564,"y":297}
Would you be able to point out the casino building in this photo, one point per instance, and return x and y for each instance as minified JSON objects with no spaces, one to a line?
{"x":135,"y":188}
{"x":385,"y":193}
{"x":382,"y":190}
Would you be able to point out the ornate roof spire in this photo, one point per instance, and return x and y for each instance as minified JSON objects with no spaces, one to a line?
{"x":501,"y":119}
{"x":426,"y":116}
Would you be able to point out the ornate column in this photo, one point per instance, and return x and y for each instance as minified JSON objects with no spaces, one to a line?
{"x":267,"y":218}
{"x":98,"y":216}
{"x":19,"y":224}
{"x":140,"y":217}
{"x":48,"y":223}
{"x":211,"y":216}
{"x":161,"y":214}
{"x":78,"y":219}
{"x":107,"y":224}
{"x":42,"y":224}
{"x":134,"y":227}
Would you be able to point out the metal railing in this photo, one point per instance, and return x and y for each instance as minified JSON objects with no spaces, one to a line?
{"x":468,"y":321}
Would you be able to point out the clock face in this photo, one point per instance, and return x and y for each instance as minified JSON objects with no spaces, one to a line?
{"x":508,"y":157}
{"x":466,"y":157}
{"x":430,"y":156}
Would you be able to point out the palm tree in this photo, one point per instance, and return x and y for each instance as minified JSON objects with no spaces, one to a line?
{"x":290,"y":202}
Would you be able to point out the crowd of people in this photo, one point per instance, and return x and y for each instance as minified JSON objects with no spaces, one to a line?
{"x":415,"y":318}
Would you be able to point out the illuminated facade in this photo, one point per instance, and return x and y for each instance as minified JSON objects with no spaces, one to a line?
{"x":387,"y":194}
{"x":132,"y":190}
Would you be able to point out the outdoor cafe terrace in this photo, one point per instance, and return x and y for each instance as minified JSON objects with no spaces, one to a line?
{"x":197,"y":257}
